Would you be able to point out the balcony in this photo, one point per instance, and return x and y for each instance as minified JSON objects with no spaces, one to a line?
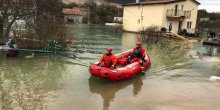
{"x":178,"y":14}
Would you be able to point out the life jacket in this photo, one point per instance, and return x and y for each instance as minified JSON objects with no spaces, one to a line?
{"x":138,"y":52}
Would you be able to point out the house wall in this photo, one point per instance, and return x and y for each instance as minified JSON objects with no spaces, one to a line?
{"x":194,"y":11}
{"x":152,"y":15}
{"x":156,"y":15}
{"x":188,"y":6}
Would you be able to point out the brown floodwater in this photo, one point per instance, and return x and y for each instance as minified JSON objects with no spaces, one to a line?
{"x":177,"y":80}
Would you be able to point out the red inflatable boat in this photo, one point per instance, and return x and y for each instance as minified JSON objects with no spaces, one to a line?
{"x":120,"y":73}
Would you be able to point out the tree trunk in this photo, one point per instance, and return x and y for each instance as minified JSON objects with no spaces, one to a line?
{"x":8,"y":28}
{"x":1,"y":30}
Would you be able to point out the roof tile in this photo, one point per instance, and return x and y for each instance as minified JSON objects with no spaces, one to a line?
{"x":74,"y":11}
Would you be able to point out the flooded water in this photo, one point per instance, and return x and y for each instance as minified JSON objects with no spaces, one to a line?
{"x":177,"y":80}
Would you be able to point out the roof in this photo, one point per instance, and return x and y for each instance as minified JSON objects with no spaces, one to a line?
{"x":148,"y":2}
{"x":74,"y":11}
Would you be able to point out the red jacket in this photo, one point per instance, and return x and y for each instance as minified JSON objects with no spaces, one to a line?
{"x":138,"y":53}
{"x":108,"y":60}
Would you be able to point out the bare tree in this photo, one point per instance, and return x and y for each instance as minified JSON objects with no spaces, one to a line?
{"x":44,"y":21}
{"x":12,"y":10}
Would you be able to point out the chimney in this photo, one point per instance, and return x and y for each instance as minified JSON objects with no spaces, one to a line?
{"x":137,"y":1}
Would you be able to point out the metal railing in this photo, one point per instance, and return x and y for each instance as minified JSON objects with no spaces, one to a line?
{"x":178,"y":13}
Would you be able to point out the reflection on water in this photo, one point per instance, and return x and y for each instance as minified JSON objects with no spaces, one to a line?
{"x":206,"y":50}
{"x":108,"y":89}
{"x":212,"y":51}
{"x":54,"y":83}
{"x":129,"y":40}
{"x":168,"y":53}
{"x":24,"y":83}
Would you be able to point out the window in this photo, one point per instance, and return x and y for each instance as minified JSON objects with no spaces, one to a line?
{"x":176,"y":10}
{"x":176,"y":7}
{"x":189,"y":24}
{"x":182,"y":7}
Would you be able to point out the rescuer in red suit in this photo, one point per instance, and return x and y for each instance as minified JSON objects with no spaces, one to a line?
{"x":137,"y":54}
{"x":108,"y":60}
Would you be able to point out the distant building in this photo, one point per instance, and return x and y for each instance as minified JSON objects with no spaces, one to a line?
{"x":19,"y":25}
{"x":73,"y":15}
{"x":178,"y":14}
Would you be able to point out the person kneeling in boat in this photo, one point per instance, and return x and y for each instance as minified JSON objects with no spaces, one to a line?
{"x":137,"y":54}
{"x":108,"y":60}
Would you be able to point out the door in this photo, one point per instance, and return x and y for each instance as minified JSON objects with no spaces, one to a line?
{"x":180,"y":26}
{"x":169,"y":25}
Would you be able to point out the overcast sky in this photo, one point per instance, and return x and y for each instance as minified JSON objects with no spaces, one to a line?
{"x":210,"y":5}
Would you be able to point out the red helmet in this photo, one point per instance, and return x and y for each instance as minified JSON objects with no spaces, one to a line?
{"x":109,"y":49}
{"x":138,"y":43}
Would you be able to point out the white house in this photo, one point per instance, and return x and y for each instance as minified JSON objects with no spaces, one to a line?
{"x":73,"y":15}
{"x":180,"y":14}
